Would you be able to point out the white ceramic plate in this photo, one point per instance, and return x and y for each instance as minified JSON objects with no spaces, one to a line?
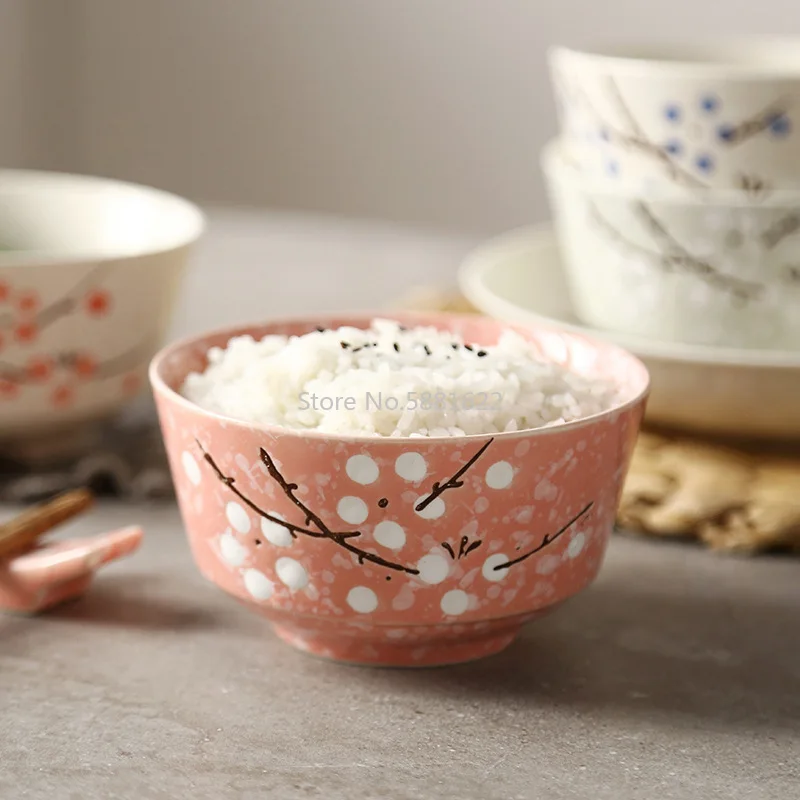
{"x":518,"y":277}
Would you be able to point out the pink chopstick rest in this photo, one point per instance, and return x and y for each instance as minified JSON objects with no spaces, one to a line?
{"x":54,"y":573}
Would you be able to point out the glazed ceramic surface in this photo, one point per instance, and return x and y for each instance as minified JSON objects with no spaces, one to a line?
{"x":89,"y":272}
{"x":688,"y":117}
{"x":717,"y":272}
{"x":54,"y":573}
{"x":400,"y":551}
{"x":520,"y":277}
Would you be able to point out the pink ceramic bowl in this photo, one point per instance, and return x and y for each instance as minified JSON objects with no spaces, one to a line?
{"x":400,"y":552}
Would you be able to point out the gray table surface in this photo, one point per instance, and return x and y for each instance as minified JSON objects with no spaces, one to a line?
{"x":676,"y":675}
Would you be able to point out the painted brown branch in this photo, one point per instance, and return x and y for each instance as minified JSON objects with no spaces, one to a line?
{"x":753,"y":186}
{"x":464,"y":548}
{"x":786,"y":226}
{"x":625,"y":110}
{"x":619,"y":237}
{"x":755,"y":124}
{"x":55,"y":311}
{"x":474,"y":546}
{"x":640,"y":141}
{"x":230,"y":482}
{"x":452,"y":482}
{"x":676,"y":256}
{"x":681,"y":257}
{"x":288,"y":490}
{"x":69,"y":302}
{"x":677,"y":173}
{"x":547,"y":540}
{"x":64,"y":305}
{"x":341,"y":539}
{"x":637,"y":139}
{"x":117,"y":365}
{"x":661,"y":234}
{"x":737,"y":134}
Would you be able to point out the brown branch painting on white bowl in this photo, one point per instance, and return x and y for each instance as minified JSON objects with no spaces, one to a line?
{"x":793,"y":273}
{"x":683,"y":157}
{"x":24,"y":319}
{"x":671,"y":255}
{"x":314,"y":526}
{"x":786,"y":226}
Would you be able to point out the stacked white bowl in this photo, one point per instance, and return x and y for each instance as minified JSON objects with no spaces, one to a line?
{"x":675,"y":189}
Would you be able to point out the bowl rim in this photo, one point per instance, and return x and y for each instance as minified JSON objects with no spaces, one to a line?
{"x":730,"y":58}
{"x":536,"y":239}
{"x":165,"y":391}
{"x":24,"y":181}
{"x":555,"y":165}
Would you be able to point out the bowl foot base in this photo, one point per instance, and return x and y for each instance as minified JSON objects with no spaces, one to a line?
{"x":402,"y":652}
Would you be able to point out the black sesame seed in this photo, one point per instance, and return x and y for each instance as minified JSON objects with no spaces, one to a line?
{"x":383,"y":502}
{"x":355,"y":349}
{"x":454,"y":346}
{"x":258,"y":542}
{"x":427,"y":350}
{"x":481,"y":353}
{"x":468,"y":347}
{"x":396,"y":347}
{"x":320,"y":329}
{"x":344,"y":345}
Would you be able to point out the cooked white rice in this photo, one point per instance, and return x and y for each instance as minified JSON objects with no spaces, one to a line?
{"x":376,"y":382}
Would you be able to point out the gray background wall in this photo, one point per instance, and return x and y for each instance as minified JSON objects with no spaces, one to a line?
{"x":426,"y":112}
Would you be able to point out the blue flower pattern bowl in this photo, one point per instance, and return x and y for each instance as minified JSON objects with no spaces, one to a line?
{"x":685,"y":120}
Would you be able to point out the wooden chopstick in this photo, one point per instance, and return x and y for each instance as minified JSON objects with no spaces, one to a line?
{"x":21,"y":532}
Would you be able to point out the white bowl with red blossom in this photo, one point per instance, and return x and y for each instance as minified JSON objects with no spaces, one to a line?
{"x":89,"y":273}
